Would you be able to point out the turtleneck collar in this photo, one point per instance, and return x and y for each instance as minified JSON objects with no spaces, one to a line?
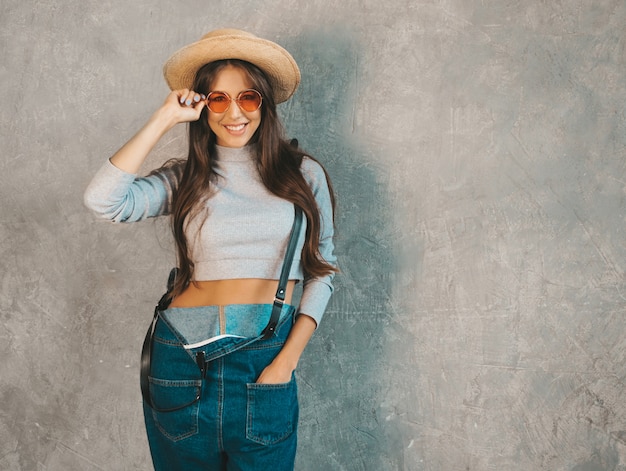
{"x":235,"y":154}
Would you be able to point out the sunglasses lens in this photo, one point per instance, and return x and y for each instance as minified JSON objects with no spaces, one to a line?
{"x":250,"y":100}
{"x":218,"y":102}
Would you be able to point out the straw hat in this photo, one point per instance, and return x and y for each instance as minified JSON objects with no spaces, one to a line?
{"x":280,"y":68}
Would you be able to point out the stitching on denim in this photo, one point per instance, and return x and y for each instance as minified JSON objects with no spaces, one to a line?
{"x":222,"y":319}
{"x":192,"y":413}
{"x":175,"y":382}
{"x":177,"y":438}
{"x":263,"y":346}
{"x":163,"y":341}
{"x":220,"y":403}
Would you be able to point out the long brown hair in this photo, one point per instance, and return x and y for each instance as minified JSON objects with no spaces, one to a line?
{"x":278,"y":163}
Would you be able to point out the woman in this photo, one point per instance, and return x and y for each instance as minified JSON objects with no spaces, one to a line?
{"x":221,"y":391}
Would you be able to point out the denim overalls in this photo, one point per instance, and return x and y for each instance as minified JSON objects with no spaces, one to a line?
{"x":216,"y":417}
{"x":205,"y":410}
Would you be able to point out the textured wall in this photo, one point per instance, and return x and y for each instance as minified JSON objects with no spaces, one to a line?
{"x":478,"y":151}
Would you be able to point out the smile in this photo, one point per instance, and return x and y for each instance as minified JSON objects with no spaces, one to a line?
{"x":235,"y":127}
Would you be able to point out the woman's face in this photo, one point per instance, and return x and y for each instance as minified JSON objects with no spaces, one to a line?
{"x":234,"y":127}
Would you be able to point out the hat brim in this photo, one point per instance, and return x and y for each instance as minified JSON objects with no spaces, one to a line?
{"x":279,"y":66}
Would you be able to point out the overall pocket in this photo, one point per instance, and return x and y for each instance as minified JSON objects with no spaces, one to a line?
{"x":175,"y":386}
{"x":272,"y":413}
{"x":176,"y":405}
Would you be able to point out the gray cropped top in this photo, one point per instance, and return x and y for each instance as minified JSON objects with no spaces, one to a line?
{"x":243,"y":229}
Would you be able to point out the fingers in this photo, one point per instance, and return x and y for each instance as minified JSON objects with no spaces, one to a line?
{"x":185,"y":105}
{"x":272,"y":375}
{"x":189,"y":97}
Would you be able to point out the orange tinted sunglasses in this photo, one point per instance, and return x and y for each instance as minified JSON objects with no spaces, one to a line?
{"x":248,"y":100}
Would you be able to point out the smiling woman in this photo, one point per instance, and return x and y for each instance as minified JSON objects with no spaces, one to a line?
{"x":219,"y":383}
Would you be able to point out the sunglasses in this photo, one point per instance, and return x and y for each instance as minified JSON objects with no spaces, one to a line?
{"x":248,"y":100}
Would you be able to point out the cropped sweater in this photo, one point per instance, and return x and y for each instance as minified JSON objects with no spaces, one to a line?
{"x":242,"y":230}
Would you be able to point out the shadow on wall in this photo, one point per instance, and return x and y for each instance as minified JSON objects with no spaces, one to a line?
{"x":342,"y":383}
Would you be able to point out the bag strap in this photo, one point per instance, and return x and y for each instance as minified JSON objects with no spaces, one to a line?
{"x":279,"y":299}
{"x":146,"y":349}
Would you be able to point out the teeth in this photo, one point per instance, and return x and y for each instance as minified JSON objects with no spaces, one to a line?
{"x":239,"y":127}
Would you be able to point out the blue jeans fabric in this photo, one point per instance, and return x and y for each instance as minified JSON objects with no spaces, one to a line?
{"x":236,"y":425}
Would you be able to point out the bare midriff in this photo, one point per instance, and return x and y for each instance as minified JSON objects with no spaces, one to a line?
{"x":223,"y":292}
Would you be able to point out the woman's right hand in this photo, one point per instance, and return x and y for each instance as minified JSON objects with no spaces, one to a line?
{"x":183,"y":106}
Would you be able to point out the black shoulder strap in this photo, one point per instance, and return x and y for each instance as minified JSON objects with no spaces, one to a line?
{"x":146,"y":350}
{"x":279,"y":299}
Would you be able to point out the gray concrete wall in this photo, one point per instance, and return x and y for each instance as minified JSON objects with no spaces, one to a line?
{"x":478,"y":152}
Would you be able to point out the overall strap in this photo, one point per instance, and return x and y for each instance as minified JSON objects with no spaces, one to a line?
{"x":279,"y":299}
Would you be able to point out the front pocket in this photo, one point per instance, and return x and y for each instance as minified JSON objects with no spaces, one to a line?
{"x":175,"y":409}
{"x":272,"y":412}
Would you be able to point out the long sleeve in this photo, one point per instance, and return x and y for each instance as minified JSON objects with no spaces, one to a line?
{"x":119,"y":196}
{"x":318,"y":290}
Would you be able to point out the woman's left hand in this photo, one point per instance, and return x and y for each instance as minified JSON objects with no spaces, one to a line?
{"x":280,"y":370}
{"x":275,"y":374}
